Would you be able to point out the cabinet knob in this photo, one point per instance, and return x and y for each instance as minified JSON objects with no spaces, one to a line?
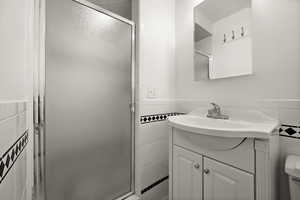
{"x":206,"y":171}
{"x":197,"y":166}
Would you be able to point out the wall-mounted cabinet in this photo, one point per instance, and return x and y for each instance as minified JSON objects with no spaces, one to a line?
{"x":222,"y":35}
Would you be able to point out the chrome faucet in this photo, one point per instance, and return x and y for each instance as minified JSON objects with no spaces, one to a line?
{"x":215,"y":112}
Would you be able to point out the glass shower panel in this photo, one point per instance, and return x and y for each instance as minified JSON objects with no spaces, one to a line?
{"x":87,"y":114}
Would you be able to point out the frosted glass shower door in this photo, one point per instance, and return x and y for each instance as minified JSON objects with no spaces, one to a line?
{"x":88,"y":90}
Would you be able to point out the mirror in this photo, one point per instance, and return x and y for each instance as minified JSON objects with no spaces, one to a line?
{"x":222,"y":39}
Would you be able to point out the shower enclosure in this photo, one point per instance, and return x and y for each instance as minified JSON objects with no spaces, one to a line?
{"x":84,"y":103}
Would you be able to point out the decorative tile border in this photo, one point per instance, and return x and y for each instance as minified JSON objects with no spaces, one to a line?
{"x":289,"y":131}
{"x":284,"y":130}
{"x":9,"y":158}
{"x":157,"y":117}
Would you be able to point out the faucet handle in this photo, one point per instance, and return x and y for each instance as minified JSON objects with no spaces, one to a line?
{"x":214,"y":104}
{"x":215,"y":112}
{"x":217,"y":108}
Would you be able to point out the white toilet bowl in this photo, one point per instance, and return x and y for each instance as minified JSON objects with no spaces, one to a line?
{"x":292,"y":168}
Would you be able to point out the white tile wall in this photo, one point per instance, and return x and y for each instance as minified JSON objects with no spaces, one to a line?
{"x":289,"y":113}
{"x":13,"y":123}
{"x":152,"y":149}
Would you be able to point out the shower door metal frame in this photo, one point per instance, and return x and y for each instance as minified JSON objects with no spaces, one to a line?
{"x":39,"y":151}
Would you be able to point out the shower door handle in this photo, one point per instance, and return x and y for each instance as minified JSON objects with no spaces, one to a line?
{"x":132,"y":107}
{"x":38,"y":127}
{"x":38,"y":147}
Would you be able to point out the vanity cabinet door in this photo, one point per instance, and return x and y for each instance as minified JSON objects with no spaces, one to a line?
{"x":222,"y":182}
{"x":187,"y":175}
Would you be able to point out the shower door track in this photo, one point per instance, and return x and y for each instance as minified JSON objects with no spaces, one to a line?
{"x":39,"y":175}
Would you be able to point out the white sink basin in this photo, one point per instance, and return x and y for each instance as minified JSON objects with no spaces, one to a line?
{"x":250,"y":124}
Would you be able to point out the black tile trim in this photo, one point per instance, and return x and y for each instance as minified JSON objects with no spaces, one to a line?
{"x":9,"y":158}
{"x":154,"y":184}
{"x":287,"y":136}
{"x":145,"y":119}
{"x":293,"y":126}
{"x":291,"y":131}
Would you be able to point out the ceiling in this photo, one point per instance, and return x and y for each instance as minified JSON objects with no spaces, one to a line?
{"x":215,"y":10}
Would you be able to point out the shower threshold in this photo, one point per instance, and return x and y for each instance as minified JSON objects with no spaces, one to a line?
{"x":129,"y":197}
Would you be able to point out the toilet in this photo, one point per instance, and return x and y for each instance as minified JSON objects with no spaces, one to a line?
{"x":292,"y":168}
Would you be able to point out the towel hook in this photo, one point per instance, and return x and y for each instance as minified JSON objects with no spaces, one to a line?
{"x":242,"y":31}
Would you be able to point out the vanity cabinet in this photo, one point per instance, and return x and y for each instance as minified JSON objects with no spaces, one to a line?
{"x":187,"y":175}
{"x":196,"y":177}
{"x":222,"y":182}
{"x":205,"y":167}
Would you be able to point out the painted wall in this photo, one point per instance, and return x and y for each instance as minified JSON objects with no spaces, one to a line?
{"x":156,"y":48}
{"x":276,"y":46}
{"x":13,"y":52}
{"x":15,"y":73}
